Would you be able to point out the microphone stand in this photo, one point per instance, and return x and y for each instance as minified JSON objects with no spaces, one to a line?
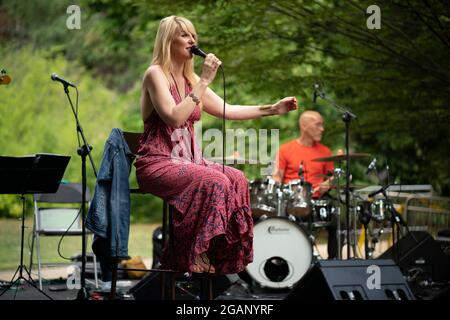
{"x":347,"y":117}
{"x":83,"y":151}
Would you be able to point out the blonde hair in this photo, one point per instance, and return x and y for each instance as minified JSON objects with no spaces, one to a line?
{"x":168,"y":29}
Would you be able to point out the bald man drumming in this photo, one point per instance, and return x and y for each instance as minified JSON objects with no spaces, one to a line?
{"x":301,"y":151}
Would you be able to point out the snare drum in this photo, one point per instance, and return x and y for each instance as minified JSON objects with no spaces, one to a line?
{"x":298,"y":195}
{"x":282,"y":253}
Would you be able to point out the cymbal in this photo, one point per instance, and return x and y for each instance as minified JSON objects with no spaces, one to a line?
{"x":342,"y":157}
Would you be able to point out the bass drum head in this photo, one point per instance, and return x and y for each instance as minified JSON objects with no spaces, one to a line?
{"x":282,"y":253}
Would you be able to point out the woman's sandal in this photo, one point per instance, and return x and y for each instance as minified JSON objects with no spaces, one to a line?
{"x":202,"y":264}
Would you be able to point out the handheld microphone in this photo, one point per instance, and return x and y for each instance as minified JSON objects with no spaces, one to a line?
{"x":198,"y":52}
{"x":55,"y":77}
{"x":372,"y":165}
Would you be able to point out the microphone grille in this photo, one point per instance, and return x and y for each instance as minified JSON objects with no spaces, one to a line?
{"x":197,"y":51}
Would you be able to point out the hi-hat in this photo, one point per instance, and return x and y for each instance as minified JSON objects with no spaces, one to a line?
{"x":342,"y":157}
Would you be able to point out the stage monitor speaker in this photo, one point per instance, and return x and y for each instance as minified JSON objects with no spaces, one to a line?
{"x":149,"y":288}
{"x":425,"y":255}
{"x":352,"y":280}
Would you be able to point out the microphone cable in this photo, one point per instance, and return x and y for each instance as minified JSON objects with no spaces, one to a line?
{"x":198,"y":52}
{"x":223,"y":119}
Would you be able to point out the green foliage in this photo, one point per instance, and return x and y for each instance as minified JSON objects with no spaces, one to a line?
{"x":394,"y":79}
{"x":35,"y":115}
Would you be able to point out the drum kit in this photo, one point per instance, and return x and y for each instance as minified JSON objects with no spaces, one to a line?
{"x":285,"y":216}
{"x":282,"y":245}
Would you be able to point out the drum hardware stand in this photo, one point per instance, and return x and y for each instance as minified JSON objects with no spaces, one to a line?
{"x":355,"y":229}
{"x":364,"y":217}
{"x":279,"y":202}
{"x":347,"y":117}
{"x":337,"y":174}
{"x":396,"y":219}
{"x":375,"y":239}
{"x":316,"y":252}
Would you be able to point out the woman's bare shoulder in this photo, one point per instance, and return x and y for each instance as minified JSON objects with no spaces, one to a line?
{"x":153,"y":73}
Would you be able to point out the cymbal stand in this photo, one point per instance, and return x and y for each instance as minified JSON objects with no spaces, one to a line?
{"x":337,"y":174}
{"x":347,"y":117}
{"x":355,"y":228}
{"x":279,"y":203}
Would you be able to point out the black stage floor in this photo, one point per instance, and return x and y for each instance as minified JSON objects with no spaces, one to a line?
{"x":57,"y":290}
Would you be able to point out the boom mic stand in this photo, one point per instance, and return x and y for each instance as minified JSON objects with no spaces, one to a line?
{"x":83,"y":151}
{"x":347,"y":117}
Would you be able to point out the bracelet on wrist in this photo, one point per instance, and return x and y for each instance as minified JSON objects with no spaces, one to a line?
{"x":267,"y":107}
{"x":194,"y":98}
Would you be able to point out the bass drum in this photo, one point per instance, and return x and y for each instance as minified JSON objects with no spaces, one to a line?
{"x":282,"y":253}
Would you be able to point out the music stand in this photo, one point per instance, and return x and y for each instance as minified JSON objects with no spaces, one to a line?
{"x":39,"y":173}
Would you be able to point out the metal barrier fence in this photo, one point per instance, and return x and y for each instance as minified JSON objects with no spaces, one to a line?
{"x":418,"y":205}
{"x":428,"y":213}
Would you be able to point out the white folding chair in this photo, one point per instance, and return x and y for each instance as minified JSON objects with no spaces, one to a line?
{"x":52,"y":219}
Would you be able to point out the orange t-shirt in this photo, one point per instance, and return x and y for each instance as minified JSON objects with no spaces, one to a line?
{"x":292,"y":153}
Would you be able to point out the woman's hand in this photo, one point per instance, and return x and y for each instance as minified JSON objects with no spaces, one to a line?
{"x":210,"y":66}
{"x":285,"y":105}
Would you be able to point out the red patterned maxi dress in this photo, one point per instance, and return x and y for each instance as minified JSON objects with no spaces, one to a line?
{"x":212,"y":213}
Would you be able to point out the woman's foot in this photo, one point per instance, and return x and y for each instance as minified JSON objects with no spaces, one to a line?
{"x":202,"y":264}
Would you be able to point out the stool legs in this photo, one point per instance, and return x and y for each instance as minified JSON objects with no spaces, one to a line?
{"x":112,"y":294}
{"x":169,"y":244}
{"x":168,"y":277}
